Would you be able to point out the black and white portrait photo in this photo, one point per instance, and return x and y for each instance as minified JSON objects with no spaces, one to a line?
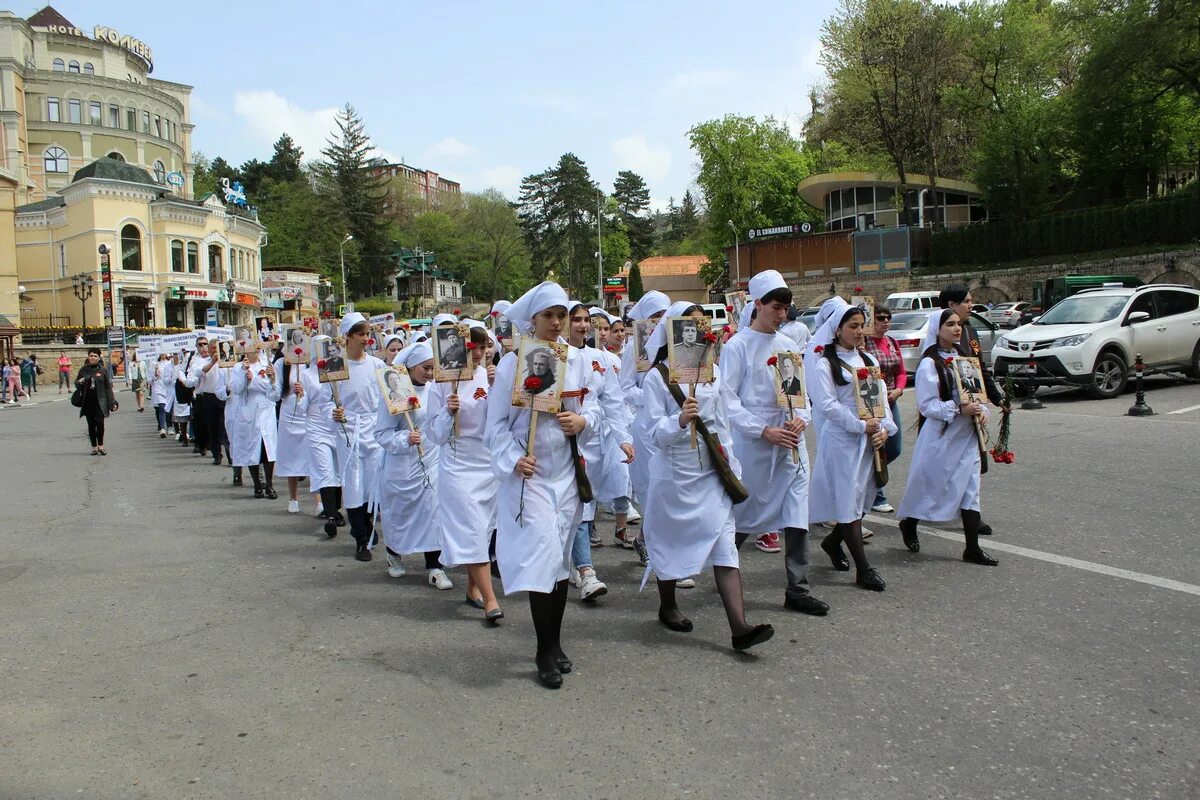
{"x":451,"y":359}
{"x":295,"y":348}
{"x":396,"y":388}
{"x":969,"y":378}
{"x":329,"y":354}
{"x":789,"y":380}
{"x":689,"y":351}
{"x":541,"y":370}
{"x":871,"y":393}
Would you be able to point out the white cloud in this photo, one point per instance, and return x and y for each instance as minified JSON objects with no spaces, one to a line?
{"x":266,"y":115}
{"x":452,"y":148}
{"x":698,"y":79}
{"x":506,"y":178}
{"x":635,"y":153}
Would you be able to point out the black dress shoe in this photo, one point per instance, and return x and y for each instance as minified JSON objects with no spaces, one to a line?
{"x":217,"y":461}
{"x":548,"y":674}
{"x":837,"y":556}
{"x":475,"y":603}
{"x":259,"y":494}
{"x":682,"y":625}
{"x":869,"y":579}
{"x":339,"y":519}
{"x":330,"y":528}
{"x":756,"y":635}
{"x":979,"y":557}
{"x":272,"y":494}
{"x":807,"y":604}
{"x":361,"y":553}
{"x":908,"y":531}
{"x":562,"y":662}
{"x":984,"y":529}
{"x":237,"y":479}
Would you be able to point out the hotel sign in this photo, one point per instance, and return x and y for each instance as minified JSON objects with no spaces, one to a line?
{"x":102,"y":33}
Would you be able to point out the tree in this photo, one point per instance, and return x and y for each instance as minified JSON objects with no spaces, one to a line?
{"x":635,"y":283}
{"x":535,"y":214}
{"x":558,"y":211}
{"x":632,"y":202}
{"x":502,"y":265}
{"x":359,"y":197}
{"x":303,"y":228}
{"x":286,"y":163}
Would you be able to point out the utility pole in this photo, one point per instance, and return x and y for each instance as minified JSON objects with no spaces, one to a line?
{"x":599,"y":255}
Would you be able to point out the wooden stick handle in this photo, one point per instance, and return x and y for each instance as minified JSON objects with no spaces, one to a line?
{"x":412,"y":427}
{"x":878,"y":459}
{"x":533,"y":420}
{"x":457,"y":431}
{"x":692,"y":394}
{"x":792,"y":415}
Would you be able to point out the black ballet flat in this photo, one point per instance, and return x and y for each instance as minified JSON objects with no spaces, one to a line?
{"x":980,"y":557}
{"x":681,"y":625}
{"x":756,"y":635}
{"x":475,"y":603}
{"x":869,"y":579}
{"x":562,"y":662}
{"x":330,"y":529}
{"x":908,"y":531}
{"x":272,"y":494}
{"x":837,"y":556}
{"x":550,"y":678}
{"x":494,"y":616}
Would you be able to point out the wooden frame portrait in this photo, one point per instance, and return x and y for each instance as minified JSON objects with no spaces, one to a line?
{"x":547,"y":363}
{"x":329,"y":353}
{"x":642,"y":330}
{"x":451,"y":358}
{"x":226,"y":353}
{"x":968,"y":379}
{"x":296,"y":338}
{"x":867,"y":303}
{"x":397,"y":390}
{"x":870,"y":393}
{"x":265,"y":328}
{"x":790,"y":391}
{"x":689,"y":349}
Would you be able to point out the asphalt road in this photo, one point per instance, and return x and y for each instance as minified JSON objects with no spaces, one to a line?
{"x":167,"y":636}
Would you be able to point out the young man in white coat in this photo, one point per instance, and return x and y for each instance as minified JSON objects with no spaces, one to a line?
{"x":769,"y":440}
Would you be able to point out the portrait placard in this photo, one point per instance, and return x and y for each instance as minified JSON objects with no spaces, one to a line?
{"x":331,"y":363}
{"x":451,"y":359}
{"x":642,"y":329}
{"x":226,"y":353}
{"x":245,"y":341}
{"x":789,"y":380}
{"x":968,"y":379}
{"x":690,"y":349}
{"x":266,"y":328}
{"x":329,"y":327}
{"x":870,"y":392}
{"x":867,"y":303}
{"x":396,"y":389}
{"x":541,"y":373}
{"x":386,"y":322}
{"x":295,"y":345}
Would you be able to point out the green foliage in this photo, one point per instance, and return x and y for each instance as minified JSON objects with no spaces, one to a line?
{"x":635,"y":283}
{"x":632,"y":200}
{"x":379,"y":304}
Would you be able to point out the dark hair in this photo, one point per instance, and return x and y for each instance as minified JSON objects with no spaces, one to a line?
{"x":479,"y":337}
{"x":781,"y":295}
{"x":95,"y":350}
{"x":954,"y":293}
{"x":883,"y":311}
{"x":830,"y":354}
{"x":690,"y":310}
{"x":359,"y":327}
{"x":943,"y":372}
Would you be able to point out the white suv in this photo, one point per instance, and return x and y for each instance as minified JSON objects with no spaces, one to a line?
{"x":1091,"y":338}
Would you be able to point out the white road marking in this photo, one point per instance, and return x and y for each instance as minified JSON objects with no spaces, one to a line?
{"x":1184,"y":410}
{"x":1052,"y":558}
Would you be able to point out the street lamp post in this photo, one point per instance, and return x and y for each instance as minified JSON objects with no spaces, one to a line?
{"x":82,"y":284}
{"x":229,"y":300}
{"x":342,"y":254}
{"x":737,"y":257}
{"x":599,"y":257}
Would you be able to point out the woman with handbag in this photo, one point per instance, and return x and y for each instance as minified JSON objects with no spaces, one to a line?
{"x":689,"y":522}
{"x":843,"y":478}
{"x":943,"y":480}
{"x":137,"y":377}
{"x":93,"y":390}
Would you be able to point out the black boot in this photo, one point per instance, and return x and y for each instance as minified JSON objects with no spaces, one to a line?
{"x":237,"y":476}
{"x":256,"y":474}
{"x":908,"y":531}
{"x":974,"y":554}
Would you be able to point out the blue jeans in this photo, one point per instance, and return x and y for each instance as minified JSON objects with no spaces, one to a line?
{"x":891,"y":449}
{"x":581,"y":547}
{"x":160,"y":411}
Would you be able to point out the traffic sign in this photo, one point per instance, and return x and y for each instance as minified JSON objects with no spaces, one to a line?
{"x":210,"y":315}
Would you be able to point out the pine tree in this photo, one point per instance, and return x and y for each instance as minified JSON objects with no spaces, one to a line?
{"x":285,"y":164}
{"x":359,"y":196}
{"x":689,"y":217}
{"x":633,"y":200}
{"x":635,"y":283}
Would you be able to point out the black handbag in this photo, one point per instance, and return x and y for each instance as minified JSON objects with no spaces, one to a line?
{"x":582,"y":483}
{"x":77,"y":397}
{"x":733,"y":485}
{"x":184,"y":394}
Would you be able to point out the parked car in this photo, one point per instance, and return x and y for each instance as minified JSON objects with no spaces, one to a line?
{"x":1029,"y":315}
{"x":809,"y":317}
{"x":980,"y":308}
{"x":908,"y":329}
{"x":1091,"y":338}
{"x":1006,"y":315}
{"x":906,"y":301}
{"x":717,"y":313}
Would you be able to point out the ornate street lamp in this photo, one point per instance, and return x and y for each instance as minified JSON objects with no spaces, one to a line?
{"x":82,"y":285}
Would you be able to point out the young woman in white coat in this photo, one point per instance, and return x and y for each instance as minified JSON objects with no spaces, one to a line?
{"x":943,"y":481}
{"x":537,"y":504}
{"x":360,"y":400}
{"x":618,"y":441}
{"x":466,"y":488}
{"x":162,"y":392}
{"x":689,"y":522}
{"x":292,"y":457}
{"x":250,"y":421}
{"x":328,"y":444}
{"x":408,"y":476}
{"x":843,"y":482}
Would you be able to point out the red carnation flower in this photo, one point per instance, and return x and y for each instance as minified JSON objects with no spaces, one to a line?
{"x":412,"y":401}
{"x":949,"y":361}
{"x":470,"y":345}
{"x":457,"y":311}
{"x":298,"y":350}
{"x":532,"y":384}
{"x":480,"y":393}
{"x":729,"y":308}
{"x":710,"y":337}
{"x":495,"y":313}
{"x":863,"y":373}
{"x":371,"y":341}
{"x":819,"y":348}
{"x":321,"y":363}
{"x":242,"y":343}
{"x":721,"y":450}
{"x":262,"y":373}
{"x":772,"y":361}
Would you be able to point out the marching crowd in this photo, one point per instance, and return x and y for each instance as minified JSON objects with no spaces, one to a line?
{"x":466,"y":478}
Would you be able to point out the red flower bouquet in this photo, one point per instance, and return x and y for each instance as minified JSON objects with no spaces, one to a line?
{"x":819,"y":349}
{"x":772,"y":361}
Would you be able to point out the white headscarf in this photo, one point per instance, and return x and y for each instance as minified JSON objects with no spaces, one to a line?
{"x":391,"y":337}
{"x":414,"y":354}
{"x":651,"y":303}
{"x":828,"y":318}
{"x":931,"y":329}
{"x":500,"y":306}
{"x":659,"y":337}
{"x":546,"y":294}
{"x":444,"y":319}
{"x":349,"y":321}
{"x":764,"y":283}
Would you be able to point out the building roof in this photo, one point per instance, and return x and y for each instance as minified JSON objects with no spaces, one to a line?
{"x":42,"y":205}
{"x":815,"y":188}
{"x":48,"y":17}
{"x":114,"y":170}
{"x":662,"y":266}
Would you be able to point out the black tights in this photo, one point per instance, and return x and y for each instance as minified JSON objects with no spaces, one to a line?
{"x":547,"y":609}
{"x":971,"y":522}
{"x":95,"y":423}
{"x":729,"y":585}
{"x":851,"y":534}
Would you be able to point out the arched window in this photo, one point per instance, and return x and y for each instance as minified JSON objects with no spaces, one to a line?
{"x":215,"y":273}
{"x":131,"y":248}
{"x":193,"y":258}
{"x":116,"y":156}
{"x":60,"y":65}
{"x":73,"y":66}
{"x":176,"y":255}
{"x":160,"y":172}
{"x":56,"y":160}
{"x":88,"y":69}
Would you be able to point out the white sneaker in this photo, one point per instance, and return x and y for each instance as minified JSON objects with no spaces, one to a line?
{"x":633,"y":515}
{"x":590,"y":587}
{"x":685,"y":583}
{"x":395,"y":568}
{"x":293,"y":506}
{"x":883,"y":508}
{"x":162,"y":434}
{"x":438,"y":578}
{"x":573,"y":576}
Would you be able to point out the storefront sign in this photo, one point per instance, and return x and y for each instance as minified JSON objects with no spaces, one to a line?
{"x":219,"y":334}
{"x":272,"y":302}
{"x":201,"y":294}
{"x":244,"y":299}
{"x":780,"y":230}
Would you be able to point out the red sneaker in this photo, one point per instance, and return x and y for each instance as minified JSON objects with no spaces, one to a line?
{"x":768,"y":543}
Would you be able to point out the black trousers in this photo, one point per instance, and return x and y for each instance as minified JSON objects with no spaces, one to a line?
{"x":199,"y":424}
{"x":95,"y":422}
{"x":213,"y":415}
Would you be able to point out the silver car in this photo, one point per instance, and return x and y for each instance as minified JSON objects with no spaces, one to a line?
{"x":1007,"y":315}
{"x":908,"y":329}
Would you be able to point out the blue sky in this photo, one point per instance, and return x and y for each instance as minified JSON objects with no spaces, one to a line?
{"x":483,"y":93}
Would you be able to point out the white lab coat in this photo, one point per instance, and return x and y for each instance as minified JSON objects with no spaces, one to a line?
{"x":843,"y":479}
{"x":292,"y":450}
{"x":797,"y":331}
{"x":688,"y":518}
{"x":162,"y":385}
{"x":466,"y":487}
{"x":407,"y":482}
{"x":631,"y":382}
{"x":250,"y":418}
{"x":778,"y":485}
{"x":361,"y":399}
{"x":944,"y":476}
{"x":606,"y":468}
{"x":534,"y":551}
{"x":328,"y":446}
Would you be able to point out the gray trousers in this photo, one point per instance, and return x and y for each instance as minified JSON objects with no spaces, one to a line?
{"x":795,"y":560}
